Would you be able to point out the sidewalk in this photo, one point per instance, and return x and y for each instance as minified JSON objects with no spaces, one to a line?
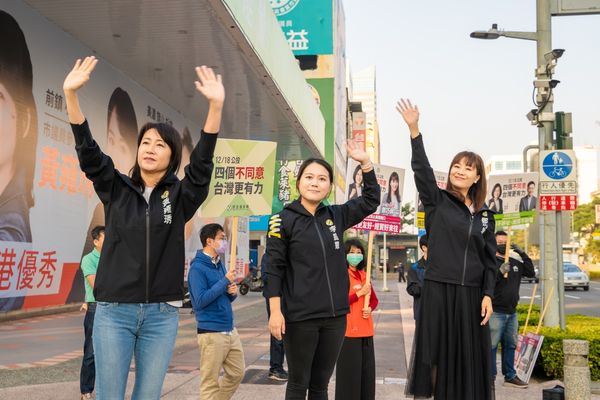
{"x":394,"y":330}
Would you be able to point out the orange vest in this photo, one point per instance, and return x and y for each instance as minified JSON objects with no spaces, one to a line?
{"x":357,"y":326}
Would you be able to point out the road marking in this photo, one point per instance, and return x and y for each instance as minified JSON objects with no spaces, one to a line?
{"x":572,"y":297}
{"x":537,"y":296}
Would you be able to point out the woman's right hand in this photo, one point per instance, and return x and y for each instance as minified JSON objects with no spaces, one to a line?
{"x":80,"y":74}
{"x":277,"y":325}
{"x":410,"y":114}
{"x":366,"y":288}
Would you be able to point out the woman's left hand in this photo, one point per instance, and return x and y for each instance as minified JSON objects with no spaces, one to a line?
{"x":486,"y":309}
{"x":367,"y":312}
{"x":210,"y":85}
{"x":356,"y":153}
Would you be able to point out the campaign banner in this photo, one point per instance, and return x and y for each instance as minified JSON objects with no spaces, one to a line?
{"x":514,"y":198}
{"x":441,"y":178}
{"x":242,"y":179}
{"x":387,"y":218}
{"x":47,"y":205}
{"x":526,"y":354}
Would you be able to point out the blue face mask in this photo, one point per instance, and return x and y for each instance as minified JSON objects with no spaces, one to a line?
{"x":354,"y":259}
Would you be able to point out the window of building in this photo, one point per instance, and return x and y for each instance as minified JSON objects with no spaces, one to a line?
{"x":513,"y":165}
{"x":499,"y":165}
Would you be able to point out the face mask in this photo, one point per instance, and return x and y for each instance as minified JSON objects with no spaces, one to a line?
{"x":502,"y":248}
{"x":222,"y":249}
{"x":354,"y":259}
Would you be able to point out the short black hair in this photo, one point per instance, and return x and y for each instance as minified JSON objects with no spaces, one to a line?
{"x":530,"y":183}
{"x":97,"y":231}
{"x":501,"y":233}
{"x":209,"y":231}
{"x":358,"y":244}
{"x":423,"y":241}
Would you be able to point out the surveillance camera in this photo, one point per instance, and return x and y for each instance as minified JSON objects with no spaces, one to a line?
{"x":553,"y":83}
{"x":545,"y":83}
{"x":532,"y":115}
{"x":555,"y":54}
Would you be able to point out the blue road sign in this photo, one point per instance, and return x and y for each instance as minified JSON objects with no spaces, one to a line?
{"x":557,"y":165}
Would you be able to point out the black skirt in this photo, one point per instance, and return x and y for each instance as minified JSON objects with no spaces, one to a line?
{"x":451,"y":355}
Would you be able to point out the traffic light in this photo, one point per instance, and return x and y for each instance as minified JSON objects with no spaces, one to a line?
{"x":563,"y":127}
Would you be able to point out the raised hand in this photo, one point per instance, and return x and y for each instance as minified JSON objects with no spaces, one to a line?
{"x":356,"y":153}
{"x":410,"y":114}
{"x":80,"y":74}
{"x":210,"y":85}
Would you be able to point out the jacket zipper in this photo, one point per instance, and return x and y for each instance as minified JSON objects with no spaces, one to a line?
{"x":148,"y":253}
{"x":466,"y":251}
{"x":326,"y":269}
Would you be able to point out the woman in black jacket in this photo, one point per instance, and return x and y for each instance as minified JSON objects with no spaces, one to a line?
{"x":139,"y":283}
{"x":451,"y":353}
{"x":307,"y":283}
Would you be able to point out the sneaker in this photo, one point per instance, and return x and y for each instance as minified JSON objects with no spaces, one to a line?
{"x":515,"y":382}
{"x":278,"y":375}
{"x":86,"y":396}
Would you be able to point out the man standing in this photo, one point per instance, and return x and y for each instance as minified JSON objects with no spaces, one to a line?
{"x":212,"y":290}
{"x":89,"y":266}
{"x":503,"y":323}
{"x":276,"y":351}
{"x":416,"y":275}
{"x":528,"y":202}
{"x":401,"y":276}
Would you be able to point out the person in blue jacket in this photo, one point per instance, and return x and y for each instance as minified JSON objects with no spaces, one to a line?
{"x":213,"y":289}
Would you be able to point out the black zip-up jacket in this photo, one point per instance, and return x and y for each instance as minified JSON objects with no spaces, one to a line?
{"x":142,"y":258}
{"x":461,"y":247}
{"x":506,"y":293}
{"x":306,"y":260}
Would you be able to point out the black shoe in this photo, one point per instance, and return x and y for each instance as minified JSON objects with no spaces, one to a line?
{"x":516,"y":382}
{"x":278,"y":375}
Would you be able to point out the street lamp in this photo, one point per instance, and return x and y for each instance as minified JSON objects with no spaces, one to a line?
{"x":494,"y":33}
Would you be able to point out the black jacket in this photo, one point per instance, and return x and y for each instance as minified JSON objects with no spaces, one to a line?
{"x":461,"y":247}
{"x":506,"y":293}
{"x":142,"y":258}
{"x":306,"y":259}
{"x":414,"y":284}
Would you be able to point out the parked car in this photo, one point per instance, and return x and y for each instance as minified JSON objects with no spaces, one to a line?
{"x":574,"y":277}
{"x":535,"y":279}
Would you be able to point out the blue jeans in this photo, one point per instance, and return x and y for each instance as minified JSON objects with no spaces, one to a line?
{"x":276,"y":351}
{"x":124,"y":329}
{"x":504,"y":329}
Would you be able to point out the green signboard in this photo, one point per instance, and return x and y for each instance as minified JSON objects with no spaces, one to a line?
{"x":307,"y":25}
{"x":242,"y":179}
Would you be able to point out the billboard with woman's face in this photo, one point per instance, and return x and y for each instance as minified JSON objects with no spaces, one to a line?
{"x":47,"y":205}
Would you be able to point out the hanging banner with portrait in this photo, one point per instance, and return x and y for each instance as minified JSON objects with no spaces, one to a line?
{"x":47,"y":205}
{"x":513,"y":197}
{"x":387,"y":218}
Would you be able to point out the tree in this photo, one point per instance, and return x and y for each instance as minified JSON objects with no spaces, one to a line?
{"x":584,"y":223}
{"x":407,"y":214}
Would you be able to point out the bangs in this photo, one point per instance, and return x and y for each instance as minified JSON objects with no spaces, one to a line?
{"x":468,"y":157}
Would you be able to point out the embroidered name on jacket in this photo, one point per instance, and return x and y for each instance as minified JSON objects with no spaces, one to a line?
{"x":275,"y":226}
{"x":166,"y":204}
{"x":484,"y":221}
{"x":336,"y":239}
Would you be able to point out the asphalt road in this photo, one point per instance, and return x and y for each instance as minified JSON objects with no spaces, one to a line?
{"x":577,"y":301}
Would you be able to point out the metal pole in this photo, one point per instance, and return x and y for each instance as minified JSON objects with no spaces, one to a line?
{"x":385,"y":260}
{"x":561,"y":275}
{"x":548,"y":219}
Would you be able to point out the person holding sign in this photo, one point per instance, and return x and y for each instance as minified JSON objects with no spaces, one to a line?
{"x":451,"y":354}
{"x":355,"y":370}
{"x":139,"y":283}
{"x":307,"y":282}
{"x":503,"y":324}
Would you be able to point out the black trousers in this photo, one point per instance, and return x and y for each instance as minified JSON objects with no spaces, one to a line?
{"x":87,"y":376}
{"x":277,"y":353}
{"x":355,"y":370}
{"x":312,"y":348}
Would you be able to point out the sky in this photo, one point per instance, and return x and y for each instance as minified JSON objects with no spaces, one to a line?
{"x":472,"y":94}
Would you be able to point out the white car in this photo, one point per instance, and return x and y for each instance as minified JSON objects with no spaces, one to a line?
{"x":574,"y":277}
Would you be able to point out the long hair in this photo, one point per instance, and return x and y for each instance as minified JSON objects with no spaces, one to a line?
{"x":121,"y":103}
{"x":358,"y":244}
{"x":171,"y":138}
{"x":477,"y":191}
{"x":393,"y":176}
{"x":497,"y":185}
{"x":16,"y":75}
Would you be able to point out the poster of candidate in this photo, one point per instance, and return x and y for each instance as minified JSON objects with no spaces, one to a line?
{"x":513,"y":197}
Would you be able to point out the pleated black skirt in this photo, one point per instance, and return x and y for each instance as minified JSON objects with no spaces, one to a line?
{"x":451,"y":355}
